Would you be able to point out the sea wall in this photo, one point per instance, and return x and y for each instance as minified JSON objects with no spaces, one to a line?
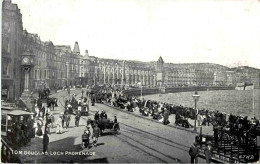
{"x":149,"y":91}
{"x":190,"y":89}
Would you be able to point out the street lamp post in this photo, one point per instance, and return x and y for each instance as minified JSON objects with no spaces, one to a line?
{"x":196,"y":99}
{"x":141,"y":91}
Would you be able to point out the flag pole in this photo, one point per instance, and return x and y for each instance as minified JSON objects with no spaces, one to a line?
{"x":254,"y":101}
{"x":141,"y":90}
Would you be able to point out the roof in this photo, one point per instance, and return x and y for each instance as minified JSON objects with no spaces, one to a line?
{"x":76,"y":48}
{"x":19,"y":112}
{"x":63,"y":48}
{"x":14,"y":111}
{"x":160,"y":60}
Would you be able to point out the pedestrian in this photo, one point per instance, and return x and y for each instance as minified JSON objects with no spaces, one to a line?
{"x":115,"y":120}
{"x":194,"y":153}
{"x":52,"y":120}
{"x":63,"y":119}
{"x":59,"y":125}
{"x":96,"y":134}
{"x":208,"y":152}
{"x":39,"y":127}
{"x":77,"y":118}
{"x":67,"y":120}
{"x":105,"y":115}
{"x":43,"y":112}
{"x":88,"y":123}
{"x":31,"y":130}
{"x":37,"y":111}
{"x":82,"y":92}
{"x":96,"y":117}
{"x":101,"y":115}
{"x":45,"y":143}
{"x":48,"y":122}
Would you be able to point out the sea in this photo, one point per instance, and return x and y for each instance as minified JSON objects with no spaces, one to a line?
{"x":226,"y":101}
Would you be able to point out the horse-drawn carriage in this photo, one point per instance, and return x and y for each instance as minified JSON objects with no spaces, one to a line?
{"x":84,"y":109}
{"x":105,"y":124}
{"x":121,"y":102}
{"x":44,"y":93}
{"x":101,"y":97}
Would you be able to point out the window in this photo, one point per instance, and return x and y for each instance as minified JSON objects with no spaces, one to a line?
{"x":8,"y":46}
{"x":35,"y":74}
{"x":40,"y":74}
{"x":5,"y":68}
{"x":45,"y":74}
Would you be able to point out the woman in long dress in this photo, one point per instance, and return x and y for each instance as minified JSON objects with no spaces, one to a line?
{"x":59,"y":125}
{"x":39,"y":127}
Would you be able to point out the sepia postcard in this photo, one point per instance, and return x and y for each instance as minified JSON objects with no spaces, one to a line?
{"x":130,"y":81}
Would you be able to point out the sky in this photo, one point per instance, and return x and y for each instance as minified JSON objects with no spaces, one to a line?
{"x":225,"y":32}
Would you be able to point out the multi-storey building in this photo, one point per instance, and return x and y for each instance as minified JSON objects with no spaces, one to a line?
{"x":119,"y":72}
{"x":246,"y":74}
{"x":56,"y":66}
{"x":12,"y":47}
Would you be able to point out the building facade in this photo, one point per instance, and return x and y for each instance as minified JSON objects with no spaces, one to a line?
{"x":121,"y":72}
{"x":56,"y":66}
{"x":12,"y":48}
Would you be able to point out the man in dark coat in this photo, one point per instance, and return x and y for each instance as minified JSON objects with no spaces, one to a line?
{"x":39,"y":103}
{"x":45,"y":142}
{"x":105,"y":115}
{"x":115,"y":120}
{"x":208,"y":152}
{"x":77,"y":118}
{"x":43,"y":112}
{"x":82,"y":92}
{"x":194,"y":153}
{"x":102,"y":115}
{"x":96,"y":117}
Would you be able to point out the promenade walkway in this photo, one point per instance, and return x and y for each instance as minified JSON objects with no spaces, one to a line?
{"x":70,"y":139}
{"x":207,"y":130}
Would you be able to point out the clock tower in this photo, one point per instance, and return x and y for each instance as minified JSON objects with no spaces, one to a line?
{"x":27,"y":65}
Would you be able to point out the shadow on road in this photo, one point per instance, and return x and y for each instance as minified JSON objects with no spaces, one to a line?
{"x":99,"y":160}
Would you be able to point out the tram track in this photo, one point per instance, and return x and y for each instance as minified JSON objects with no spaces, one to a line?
{"x":135,"y":137}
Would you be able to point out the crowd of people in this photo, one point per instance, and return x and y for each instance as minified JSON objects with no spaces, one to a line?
{"x":223,"y":123}
{"x":22,"y":131}
{"x":161,"y":110}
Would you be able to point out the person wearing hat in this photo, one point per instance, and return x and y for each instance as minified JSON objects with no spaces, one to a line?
{"x":115,"y":119}
{"x":85,"y":138}
{"x":77,"y":118}
{"x":105,"y":115}
{"x":59,"y":125}
{"x":194,"y":153}
{"x":208,"y":152}
{"x":96,"y":117}
{"x":45,"y":143}
{"x":52,"y":120}
{"x":101,"y":115}
{"x":39,"y":127}
{"x":96,"y":134}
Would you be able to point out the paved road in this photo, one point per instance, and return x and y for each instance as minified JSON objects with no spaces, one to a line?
{"x":139,"y":141}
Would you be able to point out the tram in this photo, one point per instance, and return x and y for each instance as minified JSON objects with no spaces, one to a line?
{"x":17,"y":126}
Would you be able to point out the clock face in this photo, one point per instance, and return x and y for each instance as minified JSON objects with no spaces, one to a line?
{"x":26,"y":60}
